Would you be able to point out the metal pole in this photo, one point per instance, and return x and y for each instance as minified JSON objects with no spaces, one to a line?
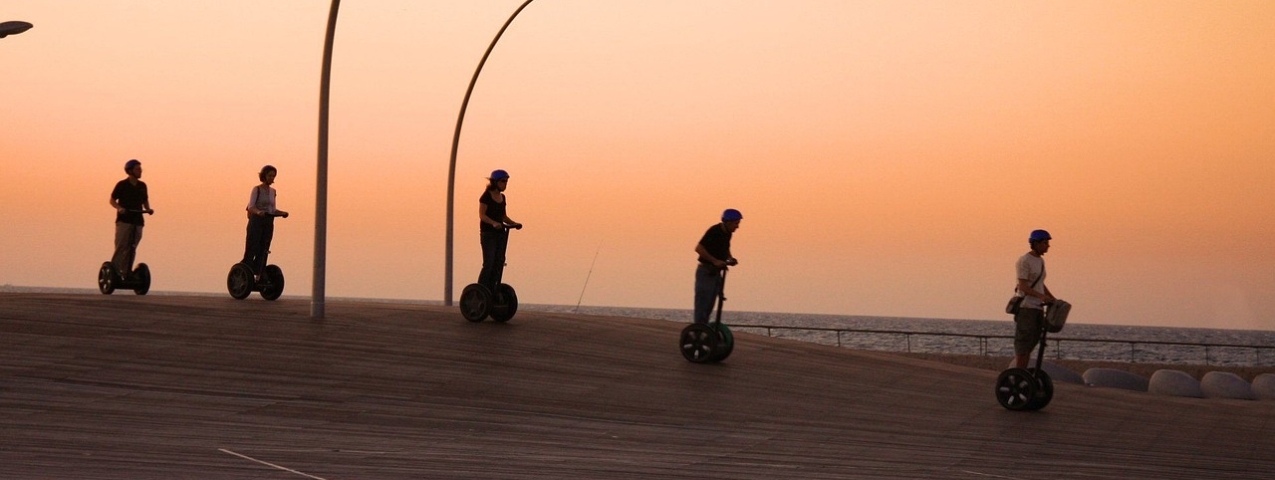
{"x":451,"y":169}
{"x":321,"y":183}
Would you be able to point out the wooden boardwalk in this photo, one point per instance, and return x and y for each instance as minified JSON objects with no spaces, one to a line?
{"x":175,"y":387}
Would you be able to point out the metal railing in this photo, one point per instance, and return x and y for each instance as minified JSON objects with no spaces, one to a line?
{"x":1056,"y":343}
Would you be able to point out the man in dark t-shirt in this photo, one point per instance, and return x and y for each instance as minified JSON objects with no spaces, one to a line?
{"x":130,"y":200}
{"x":714,"y":255}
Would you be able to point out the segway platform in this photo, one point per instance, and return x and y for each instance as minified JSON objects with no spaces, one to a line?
{"x":109,"y":279}
{"x":708,"y":342}
{"x":1030,"y":389}
{"x":477,"y":301}
{"x":240,"y":282}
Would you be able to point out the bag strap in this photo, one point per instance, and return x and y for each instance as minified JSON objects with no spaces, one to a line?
{"x":1038,"y":278}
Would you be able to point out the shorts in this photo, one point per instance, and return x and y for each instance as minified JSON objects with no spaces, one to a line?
{"x":1028,"y":324}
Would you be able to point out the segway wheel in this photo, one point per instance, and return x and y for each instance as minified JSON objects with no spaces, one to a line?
{"x":141,"y":279}
{"x":505,"y":305}
{"x":1015,"y":388}
{"x":475,"y":302}
{"x":272,"y":282}
{"x":698,"y":343}
{"x":239,"y":281}
{"x":1044,"y":390}
{"x":725,"y":342}
{"x":106,"y":278}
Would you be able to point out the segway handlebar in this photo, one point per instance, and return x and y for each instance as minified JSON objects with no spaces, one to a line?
{"x":728,"y":263}
{"x":146,"y":211}
{"x":515,"y":226}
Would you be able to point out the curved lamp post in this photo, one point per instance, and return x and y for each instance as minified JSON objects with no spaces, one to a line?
{"x":13,"y":28}
{"x":451,"y":170}
{"x":321,"y":182}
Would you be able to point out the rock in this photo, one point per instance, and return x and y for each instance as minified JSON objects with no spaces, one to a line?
{"x":1112,"y":378}
{"x":1226,"y":385}
{"x":1175,"y":383}
{"x":1264,"y":386}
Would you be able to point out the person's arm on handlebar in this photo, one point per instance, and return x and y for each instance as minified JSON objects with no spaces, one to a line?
{"x":719,"y":263}
{"x":510,"y":223}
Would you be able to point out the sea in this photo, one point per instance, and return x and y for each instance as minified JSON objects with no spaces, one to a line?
{"x":1077,"y":341}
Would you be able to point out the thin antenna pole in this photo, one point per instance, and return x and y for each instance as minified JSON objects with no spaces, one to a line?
{"x":586,"y":278}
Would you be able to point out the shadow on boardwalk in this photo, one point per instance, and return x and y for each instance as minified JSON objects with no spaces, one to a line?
{"x":128,"y":387}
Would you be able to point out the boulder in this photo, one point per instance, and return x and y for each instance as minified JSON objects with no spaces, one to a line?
{"x":1264,"y":386}
{"x":1057,"y":373}
{"x":1226,"y":385}
{"x":1112,"y":378}
{"x":1175,"y":383}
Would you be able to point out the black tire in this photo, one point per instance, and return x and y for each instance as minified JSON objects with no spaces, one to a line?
{"x":272,"y":282}
{"x":141,"y":279}
{"x":698,"y":343}
{"x":239,"y":281}
{"x":1044,"y":390}
{"x":505,"y":305}
{"x":725,"y":342}
{"x":106,"y":278}
{"x":475,"y":302}
{"x":1016,"y":388}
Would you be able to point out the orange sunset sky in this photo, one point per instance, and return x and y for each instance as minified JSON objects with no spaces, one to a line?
{"x":890,"y":157}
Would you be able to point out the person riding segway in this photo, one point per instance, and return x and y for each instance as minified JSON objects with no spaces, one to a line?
{"x":253,"y":274}
{"x":130,"y":200}
{"x":490,"y":297}
{"x":1036,"y":313}
{"x":702,"y":341}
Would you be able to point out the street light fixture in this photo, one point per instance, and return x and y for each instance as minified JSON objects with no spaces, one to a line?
{"x":13,"y":28}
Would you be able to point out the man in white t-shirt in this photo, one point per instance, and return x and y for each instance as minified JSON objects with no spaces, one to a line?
{"x":1030,"y":319}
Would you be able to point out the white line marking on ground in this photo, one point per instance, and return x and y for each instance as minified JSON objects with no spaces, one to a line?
{"x":286,"y":469}
{"x":988,"y":474}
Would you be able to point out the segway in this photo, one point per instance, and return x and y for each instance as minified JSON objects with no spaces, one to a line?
{"x":240,"y":282}
{"x":709,"y":343}
{"x":1030,"y":389}
{"x":139,"y":280}
{"x":478,"y":301}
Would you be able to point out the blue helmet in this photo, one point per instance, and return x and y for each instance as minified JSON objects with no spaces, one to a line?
{"x":1038,"y":235}
{"x":731,"y":215}
{"x":130,"y":164}
{"x":498,"y":175}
